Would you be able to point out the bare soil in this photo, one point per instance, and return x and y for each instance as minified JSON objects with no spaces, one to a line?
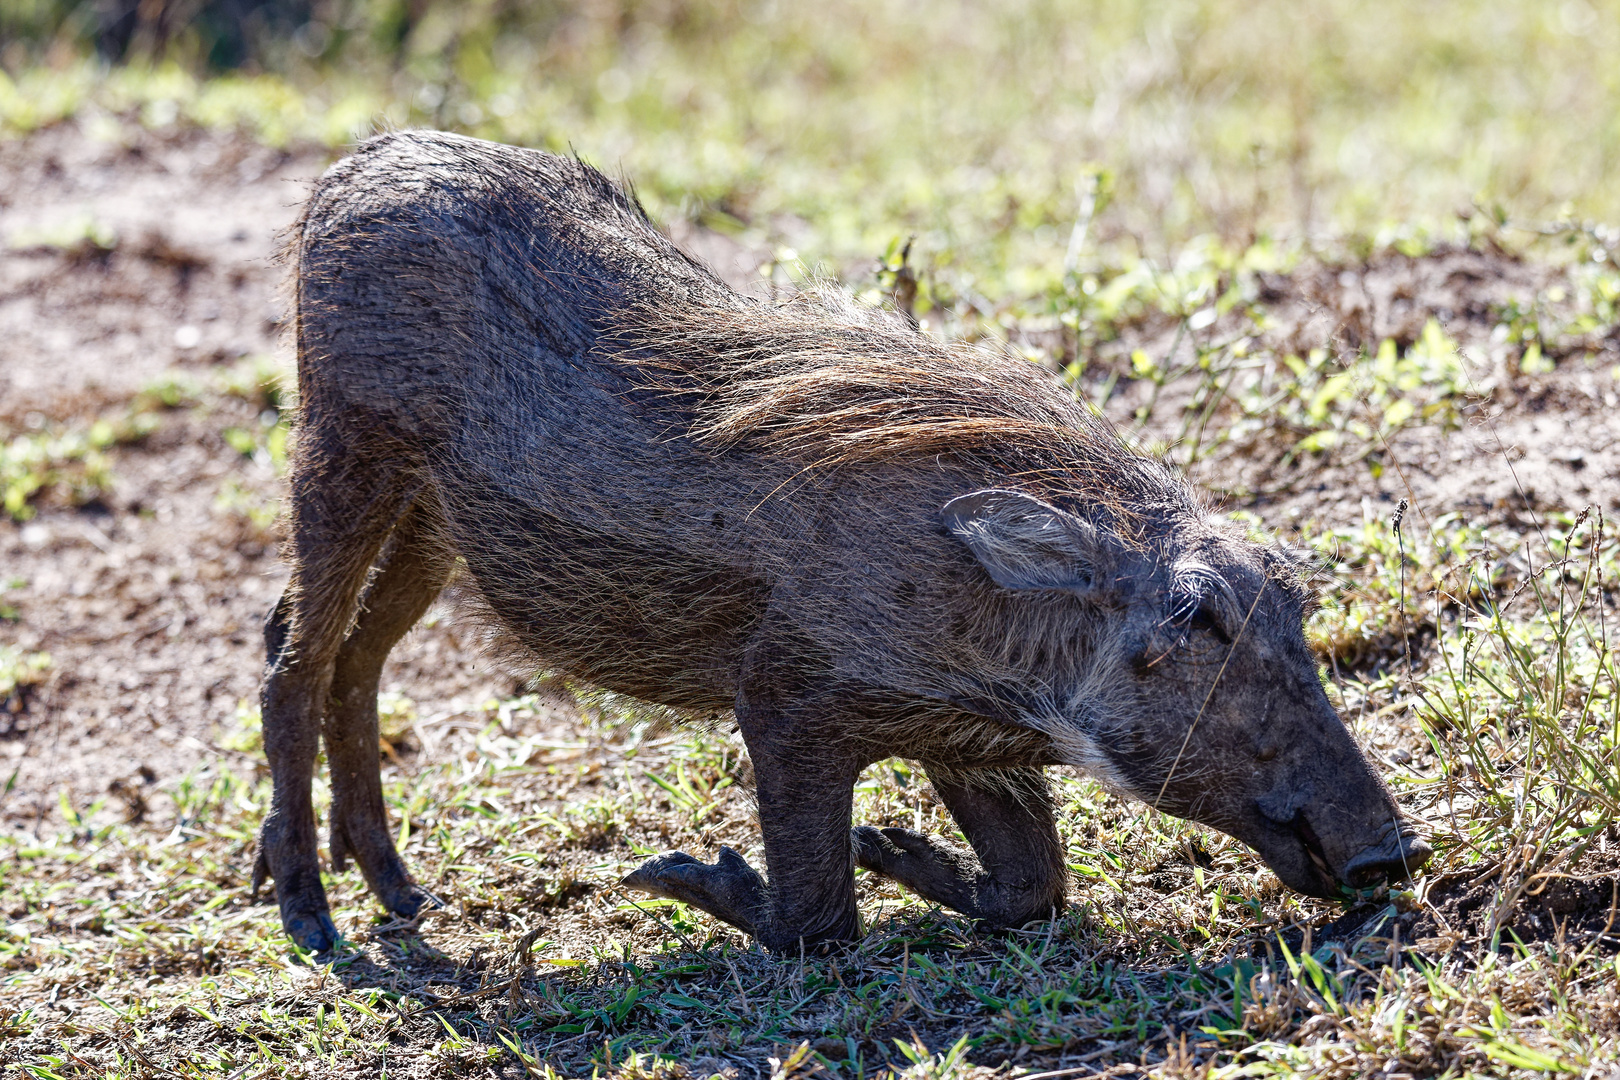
{"x":1525,"y":442}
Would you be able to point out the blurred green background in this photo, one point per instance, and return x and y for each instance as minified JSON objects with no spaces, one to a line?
{"x":988,"y":129}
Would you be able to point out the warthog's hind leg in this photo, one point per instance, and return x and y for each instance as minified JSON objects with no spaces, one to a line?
{"x":413,"y":569}
{"x":343,"y":509}
{"x":1013,"y":875}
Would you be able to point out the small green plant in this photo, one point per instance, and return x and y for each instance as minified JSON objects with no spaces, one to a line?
{"x":261,"y":381}
{"x":1517,"y":695}
{"x":396,"y":716}
{"x":245,"y":732}
{"x":8,"y":612}
{"x":172,"y":390}
{"x":20,"y":669}
{"x":1362,"y":404}
{"x":257,"y":509}
{"x":83,"y":237}
{"x":265,"y":442}
{"x":1523,"y":707}
{"x":70,"y":464}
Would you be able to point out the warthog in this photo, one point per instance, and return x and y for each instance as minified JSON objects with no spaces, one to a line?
{"x":858,"y":541}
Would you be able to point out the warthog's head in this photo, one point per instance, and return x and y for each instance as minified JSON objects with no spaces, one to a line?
{"x":1187,"y":682}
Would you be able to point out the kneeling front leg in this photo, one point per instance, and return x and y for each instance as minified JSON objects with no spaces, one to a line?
{"x":1014,"y":874}
{"x":805,"y":798}
{"x":729,"y":889}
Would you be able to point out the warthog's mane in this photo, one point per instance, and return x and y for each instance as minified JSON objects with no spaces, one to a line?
{"x":826,"y":384}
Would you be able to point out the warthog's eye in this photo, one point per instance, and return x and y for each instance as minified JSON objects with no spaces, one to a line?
{"x":1201,"y":619}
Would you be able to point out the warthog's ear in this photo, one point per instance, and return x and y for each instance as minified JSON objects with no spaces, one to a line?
{"x":1025,"y":543}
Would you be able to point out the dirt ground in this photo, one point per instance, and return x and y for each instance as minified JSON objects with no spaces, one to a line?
{"x":131,"y":255}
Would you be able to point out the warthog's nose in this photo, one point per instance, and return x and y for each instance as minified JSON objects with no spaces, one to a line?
{"x":1393,"y":858}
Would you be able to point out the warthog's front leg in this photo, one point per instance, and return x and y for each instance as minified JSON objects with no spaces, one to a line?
{"x":805,"y":789}
{"x":1013,"y":875}
{"x":729,"y":889}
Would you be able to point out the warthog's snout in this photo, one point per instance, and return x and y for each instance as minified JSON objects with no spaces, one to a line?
{"x":1295,"y":851}
{"x":1393,"y":858}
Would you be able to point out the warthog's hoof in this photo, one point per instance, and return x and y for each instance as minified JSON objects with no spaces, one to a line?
{"x":312,"y":930}
{"x":304,"y":914}
{"x":949,"y":876}
{"x":403,"y":898}
{"x":729,"y":889}
{"x":410,"y":901}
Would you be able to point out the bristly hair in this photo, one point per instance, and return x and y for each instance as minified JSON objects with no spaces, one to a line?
{"x":828,"y":385}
